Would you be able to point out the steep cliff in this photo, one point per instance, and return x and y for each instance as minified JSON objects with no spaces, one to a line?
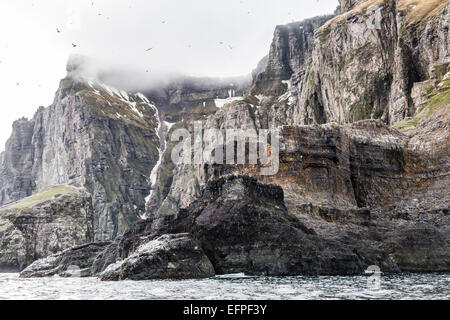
{"x":361,"y":64}
{"x":338,"y":175}
{"x":52,"y":220}
{"x":242,"y":226}
{"x":92,"y":136}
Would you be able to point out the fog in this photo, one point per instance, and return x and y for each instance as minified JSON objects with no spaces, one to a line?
{"x":136,"y":42}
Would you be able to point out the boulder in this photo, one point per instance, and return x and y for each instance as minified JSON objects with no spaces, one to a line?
{"x":66,"y":263}
{"x":171,"y":256}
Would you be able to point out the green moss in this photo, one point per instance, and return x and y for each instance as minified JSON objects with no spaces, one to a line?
{"x":44,"y":195}
{"x":252,"y":100}
{"x":440,"y":70}
{"x":108,"y":106}
{"x":440,"y":98}
{"x":362,"y":109}
{"x":323,"y":34}
{"x":69,"y":86}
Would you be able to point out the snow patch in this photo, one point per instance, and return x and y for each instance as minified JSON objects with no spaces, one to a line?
{"x":169,"y":125}
{"x":220,"y":103}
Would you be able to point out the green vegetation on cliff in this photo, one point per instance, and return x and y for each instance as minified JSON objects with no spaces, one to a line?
{"x":436,"y":100}
{"x":44,"y":195}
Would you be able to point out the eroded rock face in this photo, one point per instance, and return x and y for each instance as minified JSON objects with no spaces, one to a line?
{"x":15,"y":166}
{"x":361,"y":64}
{"x":361,"y":185}
{"x":31,"y":233}
{"x":92,"y":136}
{"x":171,"y":256}
{"x":74,"y":262}
{"x":242,"y":226}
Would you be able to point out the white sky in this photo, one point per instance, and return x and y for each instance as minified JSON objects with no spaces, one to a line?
{"x":33,"y":54}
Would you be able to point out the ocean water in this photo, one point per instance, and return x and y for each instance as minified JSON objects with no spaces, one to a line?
{"x":230,"y":287}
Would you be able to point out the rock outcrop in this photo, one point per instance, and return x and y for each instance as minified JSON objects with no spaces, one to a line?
{"x":74,"y":261}
{"x":171,"y":256}
{"x":55,"y":219}
{"x":242,"y":226}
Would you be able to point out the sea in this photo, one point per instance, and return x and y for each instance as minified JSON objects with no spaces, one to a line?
{"x":405,"y":286}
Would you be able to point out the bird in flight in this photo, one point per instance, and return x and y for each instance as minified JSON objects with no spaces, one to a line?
{"x":57,"y":30}
{"x":164,"y":21}
{"x":74,"y":45}
{"x":149,"y":49}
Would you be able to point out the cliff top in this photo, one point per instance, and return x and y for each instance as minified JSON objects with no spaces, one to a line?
{"x":415,"y":11}
{"x":42,"y":196}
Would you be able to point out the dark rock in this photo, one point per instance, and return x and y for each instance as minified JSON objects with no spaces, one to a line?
{"x":62,"y":263}
{"x":244,"y":226}
{"x":171,"y":256}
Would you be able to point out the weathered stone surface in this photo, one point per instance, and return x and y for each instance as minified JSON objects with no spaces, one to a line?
{"x":171,"y":256}
{"x":92,"y":136}
{"x":15,"y":164}
{"x":53,"y":220}
{"x":75,"y":261}
{"x":242,"y":226}
{"x":355,"y":185}
{"x":361,"y":64}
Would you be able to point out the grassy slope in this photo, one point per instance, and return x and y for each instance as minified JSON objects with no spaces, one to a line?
{"x":42,"y":196}
{"x":440,"y":98}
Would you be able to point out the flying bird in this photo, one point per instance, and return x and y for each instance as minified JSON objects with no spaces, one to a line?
{"x":74,"y":45}
{"x":163,"y":21}
{"x":57,"y":30}
{"x":149,"y":49}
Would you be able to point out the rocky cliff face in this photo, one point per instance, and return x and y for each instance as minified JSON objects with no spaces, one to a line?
{"x":239,"y":225}
{"x":361,"y":64}
{"x":334,"y":175}
{"x":193,"y":98}
{"x":109,"y":141}
{"x":55,"y":219}
{"x":351,"y":190}
{"x":15,"y":166}
{"x":92,"y":136}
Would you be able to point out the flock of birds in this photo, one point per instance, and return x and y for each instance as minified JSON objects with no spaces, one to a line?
{"x":75,"y":45}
